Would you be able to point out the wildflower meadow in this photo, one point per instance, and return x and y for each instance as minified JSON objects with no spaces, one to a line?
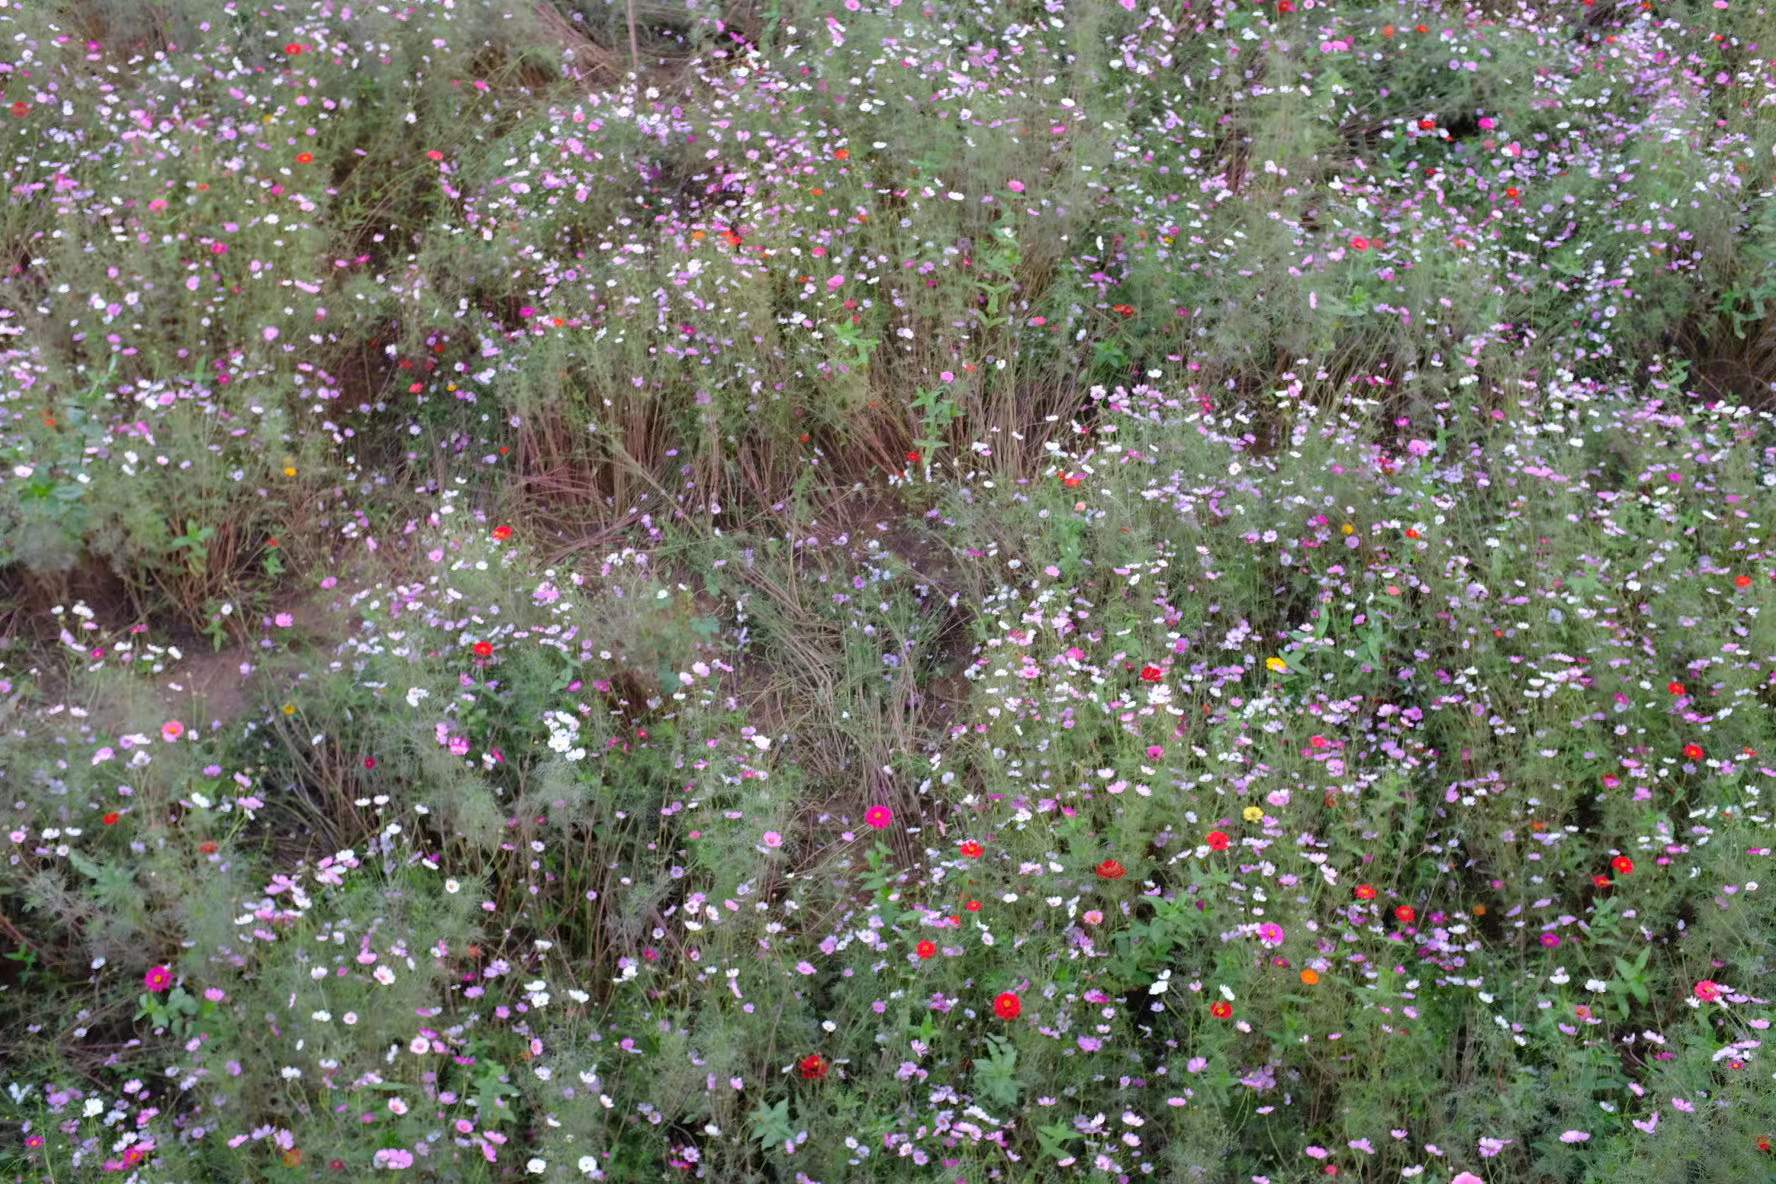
{"x":811,"y":591}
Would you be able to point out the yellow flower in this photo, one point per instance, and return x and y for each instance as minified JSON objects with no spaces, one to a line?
{"x":1252,"y":813}
{"x":289,"y":470}
{"x":1347,"y":528}
{"x":289,"y":709}
{"x":1276,"y":665}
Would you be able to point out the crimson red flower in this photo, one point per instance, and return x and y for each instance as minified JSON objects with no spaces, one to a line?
{"x":1742,"y":581}
{"x":1151,"y":674}
{"x":111,"y":818}
{"x":502,"y":533}
{"x":912,"y":456}
{"x":813,"y":1067}
{"x":1221,"y":1009}
{"x":972,"y":849}
{"x":1364,"y":892}
{"x":369,"y":762}
{"x":1675,"y":687}
{"x":1007,"y":1006}
{"x":1693,"y":752}
{"x":207,"y":847}
{"x":483,"y":649}
{"x":305,"y":158}
{"x":293,"y":48}
{"x":973,"y":906}
{"x":1425,"y":125}
{"x":841,"y":154}
{"x":20,"y":109}
{"x":1123,"y":310}
{"x":1406,"y":913}
{"x":1217,"y":840}
{"x":1111,"y":870}
{"x":1359,"y":243}
{"x":1601,"y":880}
{"x":927,"y":949}
{"x":1622,"y":864}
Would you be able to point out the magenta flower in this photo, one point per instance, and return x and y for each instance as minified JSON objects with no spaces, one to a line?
{"x":158,"y":979}
{"x":878,"y":816}
{"x":1708,"y":990}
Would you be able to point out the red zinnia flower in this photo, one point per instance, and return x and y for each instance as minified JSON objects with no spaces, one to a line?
{"x":1622,"y":864}
{"x":111,"y":818}
{"x":293,"y":48}
{"x":912,"y":456}
{"x":1008,"y":1006}
{"x":207,"y":847}
{"x":1407,"y":914}
{"x":1217,"y":840}
{"x":1111,"y":870}
{"x":1221,"y":1009}
{"x":1742,"y":581}
{"x":305,"y":158}
{"x":813,"y":1067}
{"x":1693,"y":751}
{"x":927,"y":949}
{"x":972,"y":849}
{"x":1675,"y":687}
{"x":1151,"y":674}
{"x":369,"y":762}
{"x":20,"y":109}
{"x":841,"y":154}
{"x":483,"y":649}
{"x":1601,"y":880}
{"x":502,"y":533}
{"x":1359,"y":243}
{"x":973,"y":906}
{"x":1364,"y":892}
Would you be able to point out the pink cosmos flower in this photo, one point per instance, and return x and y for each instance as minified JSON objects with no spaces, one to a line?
{"x":171,"y":730}
{"x":1708,"y":990}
